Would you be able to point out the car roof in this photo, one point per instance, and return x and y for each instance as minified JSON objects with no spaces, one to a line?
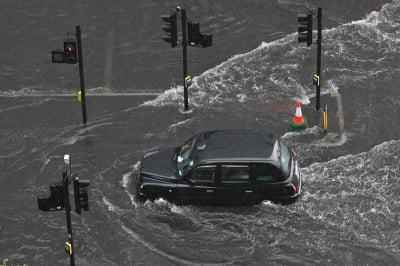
{"x":236,"y":146}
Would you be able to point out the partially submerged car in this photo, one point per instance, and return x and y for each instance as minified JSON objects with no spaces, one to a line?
{"x":234,"y":167}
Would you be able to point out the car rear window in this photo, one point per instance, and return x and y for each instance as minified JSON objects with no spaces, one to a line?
{"x":235,"y":174}
{"x":266,"y":173}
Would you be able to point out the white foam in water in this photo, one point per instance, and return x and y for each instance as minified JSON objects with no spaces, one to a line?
{"x":127,"y":185}
{"x":245,"y":77}
{"x":110,"y":206}
{"x":241,"y":97}
{"x":178,"y":124}
{"x":332,"y":140}
{"x":349,"y":162}
{"x":132,"y":199}
{"x":356,"y":192}
{"x":126,"y":180}
{"x":100,"y":90}
{"x":136,"y":165}
{"x":161,"y":202}
{"x":308,"y":131}
{"x":170,"y":96}
{"x":153,"y":248}
{"x":176,"y":209}
{"x":150,"y":246}
{"x":36,"y":103}
{"x":21,"y":92}
{"x":270,"y":204}
{"x":332,"y":85}
{"x":45,"y":163}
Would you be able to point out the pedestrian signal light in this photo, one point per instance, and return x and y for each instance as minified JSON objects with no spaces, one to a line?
{"x":188,"y":81}
{"x":68,"y":247}
{"x":316,"y":80}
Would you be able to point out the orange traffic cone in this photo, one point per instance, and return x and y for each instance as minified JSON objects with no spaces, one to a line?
{"x":298,"y":122}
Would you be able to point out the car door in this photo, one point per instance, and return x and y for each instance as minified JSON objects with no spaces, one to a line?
{"x":200,"y":185}
{"x":267,"y":179}
{"x":235,"y":186}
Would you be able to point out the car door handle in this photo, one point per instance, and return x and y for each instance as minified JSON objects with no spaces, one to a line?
{"x":249,"y":191}
{"x":210,"y":191}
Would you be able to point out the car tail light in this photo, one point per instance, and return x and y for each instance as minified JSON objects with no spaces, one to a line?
{"x":294,"y":188}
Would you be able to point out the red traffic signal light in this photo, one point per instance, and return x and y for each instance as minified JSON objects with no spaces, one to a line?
{"x":70,"y":52}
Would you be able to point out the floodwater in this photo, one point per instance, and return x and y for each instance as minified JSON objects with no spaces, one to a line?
{"x":250,"y":78}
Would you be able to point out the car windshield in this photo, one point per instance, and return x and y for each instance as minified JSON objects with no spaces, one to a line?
{"x":185,"y":157}
{"x":284,"y":158}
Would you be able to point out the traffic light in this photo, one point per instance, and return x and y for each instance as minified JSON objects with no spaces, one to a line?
{"x":53,"y":202}
{"x":171,"y":28}
{"x":205,"y":40}
{"x":195,"y":37}
{"x":57,"y":56}
{"x":81,"y":194}
{"x":305,"y":27}
{"x":70,"y":52}
{"x":193,"y":33}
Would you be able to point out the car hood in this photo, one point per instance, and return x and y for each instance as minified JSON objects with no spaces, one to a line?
{"x":159,"y":163}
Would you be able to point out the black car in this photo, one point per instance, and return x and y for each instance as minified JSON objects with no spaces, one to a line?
{"x":222,"y":167}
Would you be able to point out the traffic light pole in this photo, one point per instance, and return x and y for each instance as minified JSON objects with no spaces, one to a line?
{"x":195,"y":38}
{"x":319,"y":41}
{"x":65,"y":182}
{"x":59,"y":200}
{"x":184,"y":48}
{"x":81,"y":75}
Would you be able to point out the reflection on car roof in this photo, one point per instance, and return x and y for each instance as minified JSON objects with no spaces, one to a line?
{"x":235,"y":146}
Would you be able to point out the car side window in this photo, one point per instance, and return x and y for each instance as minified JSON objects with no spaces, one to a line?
{"x":266,"y":173}
{"x":235,"y":174}
{"x":203,"y":174}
